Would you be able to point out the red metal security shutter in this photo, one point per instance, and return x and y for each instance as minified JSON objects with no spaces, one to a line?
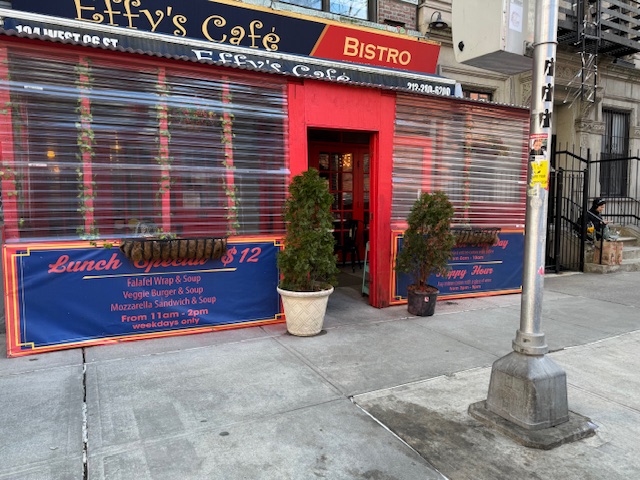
{"x":111,"y":145}
{"x":476,"y":153}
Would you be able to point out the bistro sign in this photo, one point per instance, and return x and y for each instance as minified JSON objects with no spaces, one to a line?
{"x":257,"y":28}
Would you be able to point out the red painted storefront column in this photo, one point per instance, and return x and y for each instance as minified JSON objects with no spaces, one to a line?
{"x":297,"y":160}
{"x":381,"y":201}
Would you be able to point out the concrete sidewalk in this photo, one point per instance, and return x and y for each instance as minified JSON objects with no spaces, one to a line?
{"x":380,"y":395}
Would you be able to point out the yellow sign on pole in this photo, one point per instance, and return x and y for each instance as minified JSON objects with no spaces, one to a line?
{"x":540,"y":172}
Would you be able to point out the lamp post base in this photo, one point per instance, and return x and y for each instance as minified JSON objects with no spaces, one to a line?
{"x":530,"y":391}
{"x":527,"y":402}
{"x":574,"y":429}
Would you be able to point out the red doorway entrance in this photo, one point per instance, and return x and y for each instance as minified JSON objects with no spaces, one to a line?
{"x":343,"y":159}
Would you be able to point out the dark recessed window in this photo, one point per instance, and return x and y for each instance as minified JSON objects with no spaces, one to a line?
{"x":395,"y":23}
{"x":337,"y":136}
{"x":483,"y":96}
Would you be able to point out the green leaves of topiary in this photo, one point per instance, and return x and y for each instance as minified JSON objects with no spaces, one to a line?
{"x":428,"y":240}
{"x":308,"y":262}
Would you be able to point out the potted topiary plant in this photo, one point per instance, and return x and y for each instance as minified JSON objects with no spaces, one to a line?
{"x":426,"y":249}
{"x":307,"y":263}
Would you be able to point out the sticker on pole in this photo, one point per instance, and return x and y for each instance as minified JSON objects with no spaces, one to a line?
{"x":538,"y":143}
{"x":540,"y":173}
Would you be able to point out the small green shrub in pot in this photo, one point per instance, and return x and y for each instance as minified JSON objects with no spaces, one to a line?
{"x":427,"y":247}
{"x":308,"y":261}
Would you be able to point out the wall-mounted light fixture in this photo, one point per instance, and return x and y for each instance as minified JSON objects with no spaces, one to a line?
{"x":437,"y":23}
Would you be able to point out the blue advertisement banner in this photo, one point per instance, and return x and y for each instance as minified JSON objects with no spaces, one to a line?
{"x":474,"y":270}
{"x":66,"y":296}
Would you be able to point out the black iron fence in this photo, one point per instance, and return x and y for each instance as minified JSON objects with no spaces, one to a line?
{"x":577,"y":179}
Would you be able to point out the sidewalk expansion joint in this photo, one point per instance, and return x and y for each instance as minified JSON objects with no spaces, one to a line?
{"x":397,"y":437}
{"x":85,"y":435}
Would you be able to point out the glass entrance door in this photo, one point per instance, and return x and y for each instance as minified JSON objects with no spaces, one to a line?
{"x":346,"y":168}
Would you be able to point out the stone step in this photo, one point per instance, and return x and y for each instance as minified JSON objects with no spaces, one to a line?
{"x":629,"y":252}
{"x":628,"y":265}
{"x":628,"y":240}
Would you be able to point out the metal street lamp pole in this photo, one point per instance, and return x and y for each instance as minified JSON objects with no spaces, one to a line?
{"x":527,"y":387}
{"x":529,"y":338}
{"x":528,"y":391}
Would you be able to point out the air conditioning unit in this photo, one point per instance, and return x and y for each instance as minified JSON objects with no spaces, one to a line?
{"x":494,"y":34}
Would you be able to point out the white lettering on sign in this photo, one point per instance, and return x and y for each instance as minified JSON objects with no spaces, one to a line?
{"x":298,"y":70}
{"x":369,"y":51}
{"x":67,"y":35}
{"x":329,"y":73}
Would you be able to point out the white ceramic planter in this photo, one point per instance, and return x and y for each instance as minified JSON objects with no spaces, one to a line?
{"x":304,"y":311}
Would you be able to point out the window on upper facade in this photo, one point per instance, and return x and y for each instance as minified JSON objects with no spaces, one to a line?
{"x":614,"y":165}
{"x":349,"y":8}
{"x":475,"y":95}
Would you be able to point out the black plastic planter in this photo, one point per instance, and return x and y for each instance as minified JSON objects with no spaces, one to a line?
{"x":422,"y":304}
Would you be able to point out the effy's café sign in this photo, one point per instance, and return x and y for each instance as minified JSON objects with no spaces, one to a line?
{"x":254,"y":27}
